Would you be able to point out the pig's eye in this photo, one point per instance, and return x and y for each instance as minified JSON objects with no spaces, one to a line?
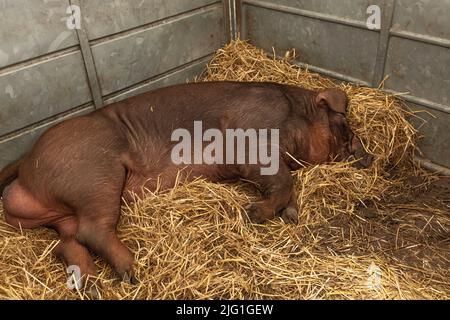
{"x":346,"y":145}
{"x":343,"y":128}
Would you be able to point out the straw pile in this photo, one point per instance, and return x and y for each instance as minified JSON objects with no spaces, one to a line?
{"x":192,"y":243}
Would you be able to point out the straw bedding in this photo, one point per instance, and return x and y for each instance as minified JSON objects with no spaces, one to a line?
{"x":361,"y":235}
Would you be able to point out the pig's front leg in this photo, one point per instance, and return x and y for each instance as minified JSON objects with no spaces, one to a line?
{"x":278,"y":194}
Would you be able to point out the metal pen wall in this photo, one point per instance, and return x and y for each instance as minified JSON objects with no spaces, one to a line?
{"x":49,"y":72}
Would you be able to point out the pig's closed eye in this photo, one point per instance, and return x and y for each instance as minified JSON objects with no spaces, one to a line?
{"x":344,"y":130}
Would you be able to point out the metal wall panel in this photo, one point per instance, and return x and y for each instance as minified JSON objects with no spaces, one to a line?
{"x":418,"y":62}
{"x":41,"y":90}
{"x":429,"y":18}
{"x":13,"y":148}
{"x":116,"y":16}
{"x":138,"y":56}
{"x":419,"y":68}
{"x":32,"y":28}
{"x":318,"y":43}
{"x":188,"y":72}
{"x":434,"y":127}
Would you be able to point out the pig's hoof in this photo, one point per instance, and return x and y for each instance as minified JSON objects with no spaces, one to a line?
{"x":254,"y":213}
{"x":134,"y":280}
{"x":130,"y":278}
{"x":93,"y":290}
{"x":290,"y":215}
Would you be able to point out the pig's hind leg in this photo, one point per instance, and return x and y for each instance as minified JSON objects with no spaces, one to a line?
{"x":22,"y":209}
{"x":98,"y":215}
{"x":75,"y":254}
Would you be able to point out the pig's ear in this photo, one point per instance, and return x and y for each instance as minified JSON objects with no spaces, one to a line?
{"x":335,"y":99}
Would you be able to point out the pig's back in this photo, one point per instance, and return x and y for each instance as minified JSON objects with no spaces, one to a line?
{"x":241,"y":104}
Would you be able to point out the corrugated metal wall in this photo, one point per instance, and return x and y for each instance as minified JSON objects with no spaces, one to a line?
{"x":412,"y":47}
{"x":49,"y":72}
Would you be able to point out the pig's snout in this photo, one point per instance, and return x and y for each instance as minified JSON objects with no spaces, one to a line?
{"x":364,"y":159}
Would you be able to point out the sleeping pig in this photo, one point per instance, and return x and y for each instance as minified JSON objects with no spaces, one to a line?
{"x":77,"y":173}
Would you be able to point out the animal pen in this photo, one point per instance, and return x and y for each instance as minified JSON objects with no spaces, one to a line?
{"x":376,"y":233}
